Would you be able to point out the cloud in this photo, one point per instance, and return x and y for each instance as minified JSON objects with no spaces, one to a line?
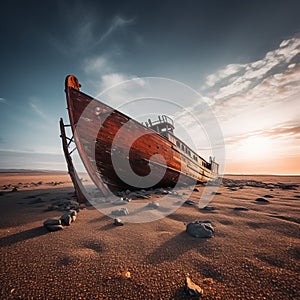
{"x":34,"y":104}
{"x":2,"y":100}
{"x":89,"y":32}
{"x":235,"y":79}
{"x":96,"y":65}
{"x":117,"y":22}
{"x":283,"y":131}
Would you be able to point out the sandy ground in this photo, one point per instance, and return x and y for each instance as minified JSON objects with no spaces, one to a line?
{"x":253,"y":254}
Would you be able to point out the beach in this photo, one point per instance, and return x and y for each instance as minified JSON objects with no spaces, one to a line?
{"x":253,"y":254}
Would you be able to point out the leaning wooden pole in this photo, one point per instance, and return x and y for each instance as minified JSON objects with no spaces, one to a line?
{"x":71,"y":170}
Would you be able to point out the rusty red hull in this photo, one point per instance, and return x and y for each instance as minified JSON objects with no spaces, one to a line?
{"x":109,"y":141}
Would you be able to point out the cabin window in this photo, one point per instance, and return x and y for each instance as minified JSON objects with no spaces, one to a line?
{"x":182,"y":147}
{"x":189,"y":152}
{"x":178,"y":144}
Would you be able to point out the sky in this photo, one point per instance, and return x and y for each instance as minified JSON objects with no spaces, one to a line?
{"x":242,"y":58}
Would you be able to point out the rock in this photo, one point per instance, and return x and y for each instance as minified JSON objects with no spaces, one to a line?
{"x":234,"y":188}
{"x":208,"y":207}
{"x":14,"y":190}
{"x":241,"y":208}
{"x":127,"y":192}
{"x":153,"y":205}
{"x":120,"y":212}
{"x":262,"y":200}
{"x":216,"y":193}
{"x":196,"y":189}
{"x":270,"y":186}
{"x":54,"y":227}
{"x":118,"y":222}
{"x":120,"y":202}
{"x":66,"y":219}
{"x":268,"y":196}
{"x":50,"y":222}
{"x":200,"y":229}
{"x":139,"y":196}
{"x":189,"y":202}
{"x":288,"y":186}
{"x":192,"y":289}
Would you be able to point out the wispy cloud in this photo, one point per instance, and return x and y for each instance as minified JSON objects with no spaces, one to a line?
{"x":35,"y":106}
{"x":89,"y":32}
{"x":118,"y":22}
{"x":284,"y":131}
{"x":2,"y":100}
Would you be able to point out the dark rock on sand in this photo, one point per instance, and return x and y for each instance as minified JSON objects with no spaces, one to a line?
{"x":53,"y":224}
{"x":118,"y":222}
{"x":262,"y":200}
{"x":153,"y":205}
{"x":208,"y":207}
{"x":216,"y":193}
{"x":66,"y":219}
{"x":50,"y":222}
{"x":200,"y":229}
{"x":120,"y":212}
{"x":189,"y":202}
{"x":268,"y":196}
{"x":241,"y":208}
{"x":196,"y":189}
{"x":192,"y":289}
{"x":14,"y":190}
{"x":54,"y":227}
{"x":287,"y":186}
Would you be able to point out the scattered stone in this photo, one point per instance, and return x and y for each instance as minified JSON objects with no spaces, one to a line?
{"x":153,"y":205}
{"x":192,"y":289}
{"x":14,"y":190}
{"x":120,"y":212}
{"x":54,"y":227}
{"x":216,"y":193}
{"x":262,"y":200}
{"x":66,"y":219}
{"x":196,"y":189}
{"x":50,"y":222}
{"x":122,"y":201}
{"x":140,"y":196}
{"x":126,"y":274}
{"x":40,"y":183}
{"x":127,"y":192}
{"x":73,"y":214}
{"x":200,"y":229}
{"x":189,"y":202}
{"x":241,"y":208}
{"x":209,"y":208}
{"x":53,"y":224}
{"x":287,"y":186}
{"x":270,"y":186}
{"x":268,"y":196}
{"x":234,"y":188}
{"x":118,"y":222}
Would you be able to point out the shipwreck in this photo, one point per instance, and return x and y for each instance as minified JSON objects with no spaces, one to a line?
{"x":121,"y":153}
